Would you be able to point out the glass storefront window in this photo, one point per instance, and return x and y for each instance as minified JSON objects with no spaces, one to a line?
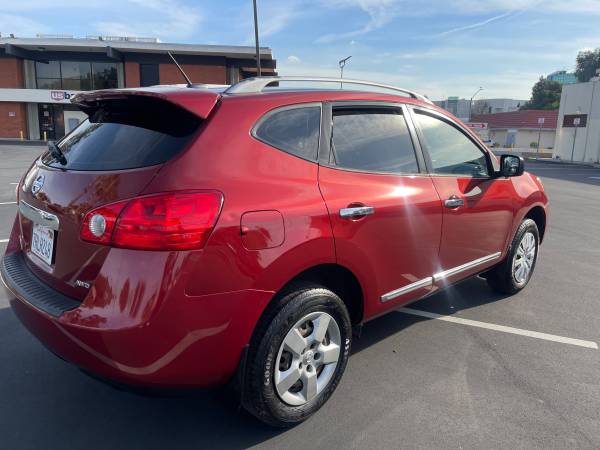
{"x":50,"y":70}
{"x":48,"y":83}
{"x":104,"y":75}
{"x":76,"y":76}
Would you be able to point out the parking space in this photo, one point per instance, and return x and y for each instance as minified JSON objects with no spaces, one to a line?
{"x":415,"y":379}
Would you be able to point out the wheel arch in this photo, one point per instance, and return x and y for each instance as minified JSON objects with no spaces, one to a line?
{"x":332,"y":276}
{"x":538,"y":215}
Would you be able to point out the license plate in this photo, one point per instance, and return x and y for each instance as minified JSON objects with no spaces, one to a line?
{"x":42,"y":243}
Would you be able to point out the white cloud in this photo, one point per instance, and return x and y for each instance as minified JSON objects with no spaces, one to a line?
{"x":476,"y":24}
{"x":20,"y":26}
{"x":380,"y":13}
{"x":165,"y":19}
{"x":293,"y":59}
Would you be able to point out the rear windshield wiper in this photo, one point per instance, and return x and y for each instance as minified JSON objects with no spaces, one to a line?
{"x":57,"y":153}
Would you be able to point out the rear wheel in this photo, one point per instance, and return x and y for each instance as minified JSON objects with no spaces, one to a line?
{"x":298,"y":356}
{"x":516,"y":270}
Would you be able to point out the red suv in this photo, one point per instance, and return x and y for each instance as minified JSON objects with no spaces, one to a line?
{"x":184,"y":237}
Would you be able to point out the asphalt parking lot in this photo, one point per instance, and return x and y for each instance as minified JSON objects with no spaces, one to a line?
{"x":412,"y":381}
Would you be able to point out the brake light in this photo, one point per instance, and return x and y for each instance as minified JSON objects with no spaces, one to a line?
{"x":170,"y":221}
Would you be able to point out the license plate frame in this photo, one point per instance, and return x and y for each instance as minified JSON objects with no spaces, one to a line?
{"x":43,"y":243}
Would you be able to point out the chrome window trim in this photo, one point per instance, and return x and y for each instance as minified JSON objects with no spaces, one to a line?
{"x":464,"y":267}
{"x":39,"y":216}
{"x":425,"y":282}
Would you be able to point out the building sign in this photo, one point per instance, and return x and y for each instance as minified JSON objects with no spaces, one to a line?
{"x":36,"y":96}
{"x":59,"y":96}
{"x":574,"y":120}
{"x":477,"y":125}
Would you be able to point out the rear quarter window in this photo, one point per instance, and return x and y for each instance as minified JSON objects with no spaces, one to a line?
{"x":294,"y":130}
{"x":127,"y":134}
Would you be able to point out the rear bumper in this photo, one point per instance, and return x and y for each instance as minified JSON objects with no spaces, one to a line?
{"x":179,"y":341}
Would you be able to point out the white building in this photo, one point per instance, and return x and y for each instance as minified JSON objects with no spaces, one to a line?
{"x":461,"y":107}
{"x":496,"y":105}
{"x":578,"y":130}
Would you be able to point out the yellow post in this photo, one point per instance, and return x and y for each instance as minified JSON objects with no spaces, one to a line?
{"x":45,"y":136}
{"x":21,"y":134}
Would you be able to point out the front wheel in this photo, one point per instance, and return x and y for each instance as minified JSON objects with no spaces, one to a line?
{"x":513,"y":274}
{"x":298,"y":356}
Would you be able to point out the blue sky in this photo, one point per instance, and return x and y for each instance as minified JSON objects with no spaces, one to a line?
{"x":440,"y":47}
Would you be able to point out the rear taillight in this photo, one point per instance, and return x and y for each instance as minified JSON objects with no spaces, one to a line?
{"x":170,"y":221}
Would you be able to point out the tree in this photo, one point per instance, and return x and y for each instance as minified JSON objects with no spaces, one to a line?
{"x":544,"y":95}
{"x":587,"y":63}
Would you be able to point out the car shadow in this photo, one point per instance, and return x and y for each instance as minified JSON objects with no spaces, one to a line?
{"x":470,"y":293}
{"x":47,"y":403}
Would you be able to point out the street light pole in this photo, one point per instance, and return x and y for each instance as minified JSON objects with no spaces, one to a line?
{"x":342,"y":64}
{"x":471,"y":101}
{"x":258,"y":71}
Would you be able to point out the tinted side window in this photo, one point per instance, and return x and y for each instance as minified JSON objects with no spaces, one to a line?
{"x":372,"y":140}
{"x":450,"y":151}
{"x":294,"y":131}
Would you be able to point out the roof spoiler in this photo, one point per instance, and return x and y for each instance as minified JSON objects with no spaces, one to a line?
{"x":199,"y":102}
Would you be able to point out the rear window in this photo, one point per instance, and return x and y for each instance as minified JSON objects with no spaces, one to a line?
{"x":127,"y":134}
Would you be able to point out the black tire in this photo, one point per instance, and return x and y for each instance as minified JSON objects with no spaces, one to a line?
{"x":502,"y":277}
{"x":260,"y":395}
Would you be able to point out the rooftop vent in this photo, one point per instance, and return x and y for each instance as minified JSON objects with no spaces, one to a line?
{"x":54,"y":36}
{"x":147,"y":40}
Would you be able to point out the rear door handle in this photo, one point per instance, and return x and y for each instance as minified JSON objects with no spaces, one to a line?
{"x":454,"y":202}
{"x":356,"y":212}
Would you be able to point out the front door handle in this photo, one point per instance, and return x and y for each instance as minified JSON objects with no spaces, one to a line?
{"x":356,"y":212}
{"x":454,"y":202}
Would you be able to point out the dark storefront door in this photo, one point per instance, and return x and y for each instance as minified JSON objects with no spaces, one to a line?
{"x":47,"y":114}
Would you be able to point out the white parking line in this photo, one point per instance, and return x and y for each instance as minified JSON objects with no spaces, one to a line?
{"x":3,"y":240}
{"x":504,"y":329}
{"x":13,"y":183}
{"x":8,"y":203}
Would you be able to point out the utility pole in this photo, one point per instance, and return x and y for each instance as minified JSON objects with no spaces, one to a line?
{"x":342,"y":64}
{"x":258,"y":71}
{"x":471,"y":101}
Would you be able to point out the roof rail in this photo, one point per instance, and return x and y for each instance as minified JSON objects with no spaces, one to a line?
{"x":258,"y":84}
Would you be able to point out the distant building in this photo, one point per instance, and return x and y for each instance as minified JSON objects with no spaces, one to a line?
{"x":457,"y":106}
{"x":563,"y":77}
{"x":38,"y":76}
{"x":578,"y":133}
{"x":460,"y":106}
{"x":496,"y":105}
{"x":519,"y":129}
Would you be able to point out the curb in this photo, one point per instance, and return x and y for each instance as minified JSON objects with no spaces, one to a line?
{"x":19,"y":142}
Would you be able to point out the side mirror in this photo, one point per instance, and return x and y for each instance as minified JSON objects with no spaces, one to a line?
{"x":511,"y":166}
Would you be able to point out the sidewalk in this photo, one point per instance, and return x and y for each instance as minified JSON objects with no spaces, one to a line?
{"x":13,"y":142}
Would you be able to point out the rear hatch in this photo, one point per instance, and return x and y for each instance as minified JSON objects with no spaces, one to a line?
{"x":111,"y":156}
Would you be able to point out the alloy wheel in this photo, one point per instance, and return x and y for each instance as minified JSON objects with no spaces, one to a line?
{"x":307,"y":358}
{"x":524,"y":258}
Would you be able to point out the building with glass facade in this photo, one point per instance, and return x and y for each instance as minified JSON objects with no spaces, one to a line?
{"x":39,"y":76}
{"x":563,"y":77}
